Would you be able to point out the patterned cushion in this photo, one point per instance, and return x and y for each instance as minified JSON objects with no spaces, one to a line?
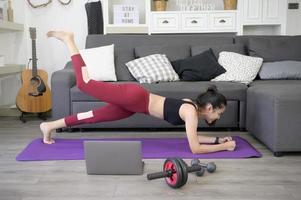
{"x":153,"y":68}
{"x":240,"y":68}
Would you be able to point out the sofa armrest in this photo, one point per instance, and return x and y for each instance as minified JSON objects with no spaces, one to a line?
{"x":61,"y":83}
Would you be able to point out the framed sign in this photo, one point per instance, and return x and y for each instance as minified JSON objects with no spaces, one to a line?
{"x":126,"y":14}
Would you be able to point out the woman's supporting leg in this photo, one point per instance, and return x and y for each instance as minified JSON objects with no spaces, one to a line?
{"x":130,"y":96}
{"x":109,"y":112}
{"x":106,"y":113}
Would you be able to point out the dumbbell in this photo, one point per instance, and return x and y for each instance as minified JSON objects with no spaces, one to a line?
{"x":211,"y":167}
{"x":175,"y":171}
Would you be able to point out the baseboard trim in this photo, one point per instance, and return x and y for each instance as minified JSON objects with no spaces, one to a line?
{"x":15,"y":112}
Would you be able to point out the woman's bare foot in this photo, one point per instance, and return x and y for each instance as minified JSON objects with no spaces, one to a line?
{"x":46,"y":133}
{"x":61,"y":35}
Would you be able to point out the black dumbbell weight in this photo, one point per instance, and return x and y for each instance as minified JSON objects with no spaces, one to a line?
{"x":211,"y":166}
{"x":196,"y":162}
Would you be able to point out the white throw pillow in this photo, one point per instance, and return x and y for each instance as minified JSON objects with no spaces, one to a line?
{"x":153,"y":68}
{"x":100,"y":62}
{"x":240,"y":68}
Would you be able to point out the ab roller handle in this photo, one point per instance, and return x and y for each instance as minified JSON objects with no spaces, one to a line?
{"x":194,"y":168}
{"x":168,"y":173}
{"x":157,"y":175}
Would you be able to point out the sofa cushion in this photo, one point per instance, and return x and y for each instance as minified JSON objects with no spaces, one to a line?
{"x":172,"y":52}
{"x":274,"y":82}
{"x":240,"y":68}
{"x":287,"y":69}
{"x":201,"y":67}
{"x":237,"y":48}
{"x":152,"y":68}
{"x":122,"y":56}
{"x":276,"y":48}
{"x":180,"y":89}
{"x":125,"y":45}
{"x":100,"y":62}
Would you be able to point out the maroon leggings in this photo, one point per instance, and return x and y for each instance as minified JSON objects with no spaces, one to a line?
{"x":123,"y":99}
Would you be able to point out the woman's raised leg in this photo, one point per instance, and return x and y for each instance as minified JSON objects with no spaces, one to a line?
{"x":129,"y":96}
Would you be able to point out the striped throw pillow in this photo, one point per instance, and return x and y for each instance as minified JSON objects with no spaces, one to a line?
{"x":151,"y":69}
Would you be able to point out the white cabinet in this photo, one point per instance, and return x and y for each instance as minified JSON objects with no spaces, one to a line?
{"x":256,"y":12}
{"x":267,"y":17}
{"x":165,"y":22}
{"x":223,"y":21}
{"x":252,"y":11}
{"x":171,"y":21}
{"x":192,"y":22}
{"x":271,"y":11}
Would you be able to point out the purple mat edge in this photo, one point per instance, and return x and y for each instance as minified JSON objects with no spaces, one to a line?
{"x":199,"y":156}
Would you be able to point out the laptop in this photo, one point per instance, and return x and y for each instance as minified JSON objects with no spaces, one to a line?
{"x":113,"y":157}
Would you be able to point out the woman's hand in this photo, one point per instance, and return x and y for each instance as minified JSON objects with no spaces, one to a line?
{"x":224,"y":139}
{"x":230,"y":145}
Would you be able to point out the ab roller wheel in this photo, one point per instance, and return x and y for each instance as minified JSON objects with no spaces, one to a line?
{"x":172,"y":172}
{"x":175,"y":171}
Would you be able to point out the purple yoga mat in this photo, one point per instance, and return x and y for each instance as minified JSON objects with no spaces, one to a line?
{"x":152,"y":148}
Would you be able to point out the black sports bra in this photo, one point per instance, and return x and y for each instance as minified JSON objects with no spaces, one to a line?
{"x":171,"y":110}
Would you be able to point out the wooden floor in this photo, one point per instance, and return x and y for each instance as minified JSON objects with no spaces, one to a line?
{"x":257,"y":178}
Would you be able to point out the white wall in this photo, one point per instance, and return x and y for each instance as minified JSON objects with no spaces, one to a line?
{"x":52,"y":54}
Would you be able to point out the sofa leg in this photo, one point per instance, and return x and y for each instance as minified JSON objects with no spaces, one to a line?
{"x":278,"y":154}
{"x":59,"y":130}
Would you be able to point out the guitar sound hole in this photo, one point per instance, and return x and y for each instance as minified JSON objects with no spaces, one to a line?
{"x":35,"y":81}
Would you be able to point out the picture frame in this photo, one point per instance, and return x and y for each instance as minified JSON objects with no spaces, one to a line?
{"x":126,"y":14}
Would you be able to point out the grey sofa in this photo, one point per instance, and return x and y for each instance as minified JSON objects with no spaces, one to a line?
{"x":273,"y":111}
{"x":68,"y":99}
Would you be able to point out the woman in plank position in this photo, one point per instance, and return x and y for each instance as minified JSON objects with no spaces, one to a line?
{"x":126,"y":99}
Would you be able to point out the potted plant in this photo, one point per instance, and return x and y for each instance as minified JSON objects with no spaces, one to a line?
{"x":160,"y":5}
{"x":230,"y":4}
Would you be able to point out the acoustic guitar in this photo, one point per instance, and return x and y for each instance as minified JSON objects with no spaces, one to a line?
{"x":34,"y":95}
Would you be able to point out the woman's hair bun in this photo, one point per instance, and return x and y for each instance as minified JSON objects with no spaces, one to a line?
{"x":212,"y":88}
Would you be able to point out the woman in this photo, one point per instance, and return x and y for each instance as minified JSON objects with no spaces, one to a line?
{"x":126,"y":99}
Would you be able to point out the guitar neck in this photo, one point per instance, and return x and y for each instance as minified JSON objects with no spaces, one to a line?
{"x":34,"y":59}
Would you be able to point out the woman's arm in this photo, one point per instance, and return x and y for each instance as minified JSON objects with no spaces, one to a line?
{"x":194,"y":144}
{"x":191,"y":124}
{"x":208,"y":140}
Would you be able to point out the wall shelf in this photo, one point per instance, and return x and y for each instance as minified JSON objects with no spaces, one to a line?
{"x":6,"y":26}
{"x":11,"y":69}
